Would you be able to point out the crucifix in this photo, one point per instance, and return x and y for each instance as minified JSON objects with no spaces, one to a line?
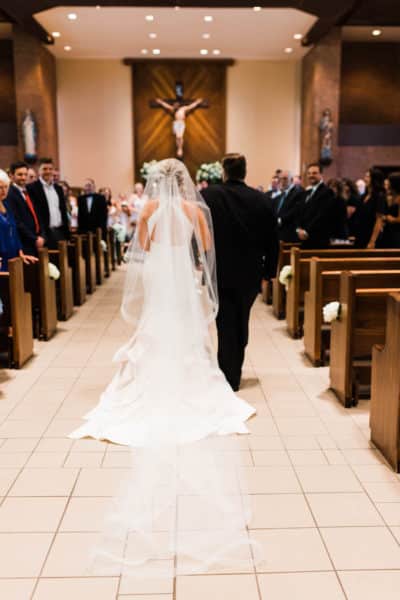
{"x":179,"y":108}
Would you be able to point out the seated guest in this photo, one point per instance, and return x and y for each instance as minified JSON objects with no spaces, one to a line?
{"x":391,"y":233}
{"x":30,"y":229}
{"x":353,"y":202}
{"x":372,"y":210}
{"x":315,"y":219}
{"x":49,"y":202}
{"x":92,"y":210}
{"x":339,"y":210}
{"x":285,"y":207}
{"x":10,"y":244}
{"x":107,"y":193}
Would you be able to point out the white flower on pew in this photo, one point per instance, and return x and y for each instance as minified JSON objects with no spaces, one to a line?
{"x":54,"y":273}
{"x":331,"y":312}
{"x":285,"y":275}
{"x":1,"y":307}
{"x":103,"y":245}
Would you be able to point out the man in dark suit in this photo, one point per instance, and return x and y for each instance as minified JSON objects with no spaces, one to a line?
{"x":245,"y":234}
{"x":285,"y":208}
{"x":49,"y":202}
{"x":274,"y":190}
{"x":92,"y":210}
{"x":315,"y":220}
{"x":28,"y":223}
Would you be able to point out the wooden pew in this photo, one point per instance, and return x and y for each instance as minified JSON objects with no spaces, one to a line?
{"x":16,"y":338}
{"x":90,"y":261}
{"x":385,"y":388}
{"x":100,"y":257}
{"x":43,"y":293}
{"x":362,"y":323}
{"x":300,"y":280}
{"x":77,"y":263}
{"x":111,"y":261}
{"x":324,"y":288}
{"x":64,"y":286}
{"x":278,"y":290}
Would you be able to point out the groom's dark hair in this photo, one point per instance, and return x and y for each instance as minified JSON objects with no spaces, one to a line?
{"x":235,"y":166}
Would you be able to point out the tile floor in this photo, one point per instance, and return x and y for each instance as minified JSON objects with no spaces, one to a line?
{"x":326,"y":508}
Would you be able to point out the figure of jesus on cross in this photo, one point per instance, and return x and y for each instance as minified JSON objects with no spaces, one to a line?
{"x":179,"y":109}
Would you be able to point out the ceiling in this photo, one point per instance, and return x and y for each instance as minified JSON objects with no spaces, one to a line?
{"x":118,"y":32}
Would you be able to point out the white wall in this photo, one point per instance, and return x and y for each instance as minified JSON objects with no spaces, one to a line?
{"x":95,"y":122}
{"x":263,"y":120}
{"x":95,"y":119}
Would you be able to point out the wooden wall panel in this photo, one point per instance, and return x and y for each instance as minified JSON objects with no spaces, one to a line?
{"x":205,"y":133}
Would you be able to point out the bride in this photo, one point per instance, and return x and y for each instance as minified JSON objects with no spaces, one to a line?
{"x":183,"y":507}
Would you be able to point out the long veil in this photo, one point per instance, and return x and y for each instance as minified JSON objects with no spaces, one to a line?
{"x":183,"y":507}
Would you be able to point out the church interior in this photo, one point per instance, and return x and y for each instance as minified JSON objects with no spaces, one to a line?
{"x":91,"y":95}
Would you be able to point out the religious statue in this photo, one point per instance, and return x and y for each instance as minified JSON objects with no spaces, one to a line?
{"x":326,"y":127}
{"x":29,"y":136}
{"x":179,"y":109}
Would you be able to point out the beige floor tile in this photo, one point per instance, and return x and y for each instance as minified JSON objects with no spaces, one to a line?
{"x":99,"y":482}
{"x":85,"y":514}
{"x":31,"y":514}
{"x":396,"y":533}
{"x":62,"y":428}
{"x":13,"y":459}
{"x":90,"y":445}
{"x":264,"y":458}
{"x":16,"y":589}
{"x":117,"y":460}
{"x":335,"y":457}
{"x":286,"y":550}
{"x":280,"y":511}
{"x":262,"y":426}
{"x":145,"y":585}
{"x":46,"y":460}
{"x":362,"y":548}
{"x":270,"y":480}
{"x":307,"y":457}
{"x":84,"y":459}
{"x":45,"y":482}
{"x":388,"y":491}
{"x":363,"y":456}
{"x":213,"y":587}
{"x":103,"y":588}
{"x":265,"y":442}
{"x":307,"y":425}
{"x":146,"y":597}
{"x":335,"y":510}
{"x":18,"y":445}
{"x":374,"y":473}
{"x":54,"y":445}
{"x":22,"y":554}
{"x":390,"y":512}
{"x":300,"y":442}
{"x":329,"y":478}
{"x":300,"y":586}
{"x":7,"y":476}
{"x":71,"y":556}
{"x":23,"y":429}
{"x":364,"y":585}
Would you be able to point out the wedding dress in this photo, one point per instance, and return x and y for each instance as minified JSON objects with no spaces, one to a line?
{"x":183,"y":507}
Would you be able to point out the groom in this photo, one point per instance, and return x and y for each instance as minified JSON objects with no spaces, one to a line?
{"x":246,"y":251}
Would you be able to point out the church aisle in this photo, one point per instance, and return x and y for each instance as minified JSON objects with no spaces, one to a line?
{"x":326,"y":508}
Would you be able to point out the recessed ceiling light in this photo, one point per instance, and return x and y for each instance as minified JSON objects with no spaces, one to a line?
{"x":149,"y":18}
{"x":208,"y":19}
{"x":217,"y":52}
{"x":67,"y":48}
{"x":288,"y":50}
{"x":56,"y":34}
{"x":204,"y":51}
{"x":72,"y":16}
{"x":156,"y":51}
{"x":206,"y":36}
{"x":98,"y":7}
{"x":144,"y":51}
{"x":298,"y":36}
{"x":377,"y":32}
{"x":177,"y":7}
{"x":152,"y":36}
{"x":257,"y":8}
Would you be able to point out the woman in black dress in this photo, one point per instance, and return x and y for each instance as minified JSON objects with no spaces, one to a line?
{"x":391,"y":232}
{"x":372,"y":210}
{"x":353,"y":202}
{"x":339,"y":216}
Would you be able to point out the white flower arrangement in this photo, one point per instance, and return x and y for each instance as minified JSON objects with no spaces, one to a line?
{"x":146,"y":168}
{"x":1,"y":307}
{"x":120,"y":232}
{"x":331,"y":312}
{"x":54,"y":273}
{"x":103,"y":245}
{"x":285,"y":275}
{"x":210,"y":172}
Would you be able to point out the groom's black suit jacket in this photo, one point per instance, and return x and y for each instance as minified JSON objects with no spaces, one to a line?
{"x":97,"y":217}
{"x":245,"y":235}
